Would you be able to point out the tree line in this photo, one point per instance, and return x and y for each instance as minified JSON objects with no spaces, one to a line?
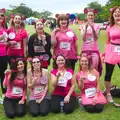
{"x":102,"y":16}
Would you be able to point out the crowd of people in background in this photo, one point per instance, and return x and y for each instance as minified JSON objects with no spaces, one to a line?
{"x":18,"y":49}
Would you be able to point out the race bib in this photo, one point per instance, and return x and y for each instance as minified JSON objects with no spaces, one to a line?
{"x":117,"y":49}
{"x":38,"y":90}
{"x":17,"y":45}
{"x":70,"y":34}
{"x":91,"y":77}
{"x":62,"y":81}
{"x":39,"y":48}
{"x":90,"y":92}
{"x":68,"y":75}
{"x":11,"y":35}
{"x":65,"y":45}
{"x":17,"y":91}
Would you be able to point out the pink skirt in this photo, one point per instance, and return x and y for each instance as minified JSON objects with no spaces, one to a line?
{"x":89,"y":101}
{"x":112,"y":54}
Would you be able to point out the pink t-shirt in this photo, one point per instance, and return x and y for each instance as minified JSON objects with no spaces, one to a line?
{"x":38,"y":90}
{"x":66,"y":44}
{"x":17,"y":89}
{"x":90,"y":89}
{"x":87,"y":82}
{"x":63,"y":87}
{"x":18,"y":48}
{"x":90,"y":43}
{"x":3,"y":51}
{"x":114,"y":34}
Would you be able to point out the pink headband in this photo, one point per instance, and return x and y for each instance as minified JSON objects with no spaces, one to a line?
{"x":42,"y":20}
{"x":58,"y":15}
{"x":86,"y":10}
{"x":14,"y":60}
{"x":12,"y":16}
{"x":3,"y":10}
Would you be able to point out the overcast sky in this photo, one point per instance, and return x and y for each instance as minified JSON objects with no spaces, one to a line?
{"x":55,"y":6}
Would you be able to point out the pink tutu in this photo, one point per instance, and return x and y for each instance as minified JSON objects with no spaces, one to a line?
{"x":112,"y":54}
{"x":89,"y":101}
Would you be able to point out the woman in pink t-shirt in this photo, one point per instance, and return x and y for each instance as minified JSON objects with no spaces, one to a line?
{"x":3,"y":52}
{"x":38,"y":83}
{"x":89,"y":83}
{"x":90,"y":33}
{"x":64,"y":40}
{"x":112,"y":50}
{"x":15,"y":82}
{"x":17,"y":38}
{"x":63,"y":96}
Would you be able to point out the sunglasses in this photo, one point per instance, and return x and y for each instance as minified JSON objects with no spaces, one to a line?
{"x":36,"y":62}
{"x":2,"y":15}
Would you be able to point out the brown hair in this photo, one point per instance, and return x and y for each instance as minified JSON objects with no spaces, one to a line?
{"x":32,"y":65}
{"x":36,"y":34}
{"x":22,"y":23}
{"x":55,"y":66}
{"x":62,"y":17}
{"x":89,"y":63}
{"x":112,"y":22}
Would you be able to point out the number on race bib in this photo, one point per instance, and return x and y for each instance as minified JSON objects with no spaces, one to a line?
{"x":65,"y":45}
{"x":117,"y":49}
{"x":90,"y":92}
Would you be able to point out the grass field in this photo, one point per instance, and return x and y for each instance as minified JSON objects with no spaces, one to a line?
{"x":109,"y":113}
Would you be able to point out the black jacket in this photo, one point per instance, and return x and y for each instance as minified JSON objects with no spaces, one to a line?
{"x":32,"y":53}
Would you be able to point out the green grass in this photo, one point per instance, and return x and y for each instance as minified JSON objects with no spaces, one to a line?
{"x":109,"y":113}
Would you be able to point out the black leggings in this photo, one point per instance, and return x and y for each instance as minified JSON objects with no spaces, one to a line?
{"x":12,"y":108}
{"x":3,"y":67}
{"x":109,"y":71}
{"x":67,"y":108}
{"x":39,"y":109}
{"x":94,"y":108}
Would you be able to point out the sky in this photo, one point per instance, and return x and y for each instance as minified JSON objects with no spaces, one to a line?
{"x":54,"y":6}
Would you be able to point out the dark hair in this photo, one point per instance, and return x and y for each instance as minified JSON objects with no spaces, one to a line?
{"x":112,"y":22}
{"x":62,"y":17}
{"x":32,"y":63}
{"x":55,"y":66}
{"x":22,"y":23}
{"x":3,"y":22}
{"x":89,"y":62}
{"x":14,"y":71}
{"x":36,"y":34}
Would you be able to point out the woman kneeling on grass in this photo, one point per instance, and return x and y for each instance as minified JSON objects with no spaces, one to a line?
{"x":88,"y":82}
{"x":38,"y":80}
{"x":63,"y":96}
{"x":15,"y":82}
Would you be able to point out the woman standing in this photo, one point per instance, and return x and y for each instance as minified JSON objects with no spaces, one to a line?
{"x":38,"y":83}
{"x":90,"y":33}
{"x":17,"y":38}
{"x":40,"y":44}
{"x":3,"y":52}
{"x":112,"y":50}
{"x":15,"y":82}
{"x":89,"y":83}
{"x":63,"y":96}
{"x":64,"y":40}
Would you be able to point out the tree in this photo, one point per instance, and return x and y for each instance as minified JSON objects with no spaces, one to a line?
{"x":81,"y":16}
{"x":45,"y":14}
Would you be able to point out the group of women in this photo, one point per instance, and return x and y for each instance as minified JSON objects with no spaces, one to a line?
{"x":15,"y":47}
